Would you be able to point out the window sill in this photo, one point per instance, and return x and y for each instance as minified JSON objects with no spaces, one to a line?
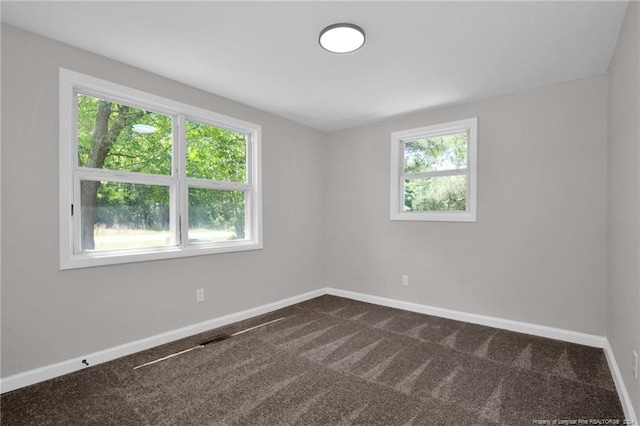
{"x":435,"y":216}
{"x":116,"y":257}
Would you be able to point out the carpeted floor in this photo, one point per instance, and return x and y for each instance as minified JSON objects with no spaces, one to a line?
{"x":334,"y":361}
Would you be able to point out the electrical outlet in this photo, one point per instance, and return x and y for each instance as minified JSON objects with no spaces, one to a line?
{"x":634,"y":366}
{"x":405,"y":280}
{"x":200,"y":295}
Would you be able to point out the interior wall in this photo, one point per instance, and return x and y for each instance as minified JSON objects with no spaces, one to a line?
{"x":537,"y":252}
{"x":49,"y":315}
{"x":623,"y":291}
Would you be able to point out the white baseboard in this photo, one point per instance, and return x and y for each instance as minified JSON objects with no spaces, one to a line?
{"x":625,"y":399}
{"x":48,"y":372}
{"x":31,"y":377}
{"x":517,"y":326}
{"x":505,"y":324}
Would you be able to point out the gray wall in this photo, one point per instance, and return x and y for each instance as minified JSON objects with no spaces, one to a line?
{"x":50,"y":316}
{"x":623,"y":291}
{"x":538,"y":250}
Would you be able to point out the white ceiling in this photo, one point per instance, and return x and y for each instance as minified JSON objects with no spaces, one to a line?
{"x":266,"y":54}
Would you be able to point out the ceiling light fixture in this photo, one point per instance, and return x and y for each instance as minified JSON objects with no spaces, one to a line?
{"x":342,"y":38}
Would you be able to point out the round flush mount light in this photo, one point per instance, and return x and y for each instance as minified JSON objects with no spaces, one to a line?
{"x":144,"y":128}
{"x":342,"y":38}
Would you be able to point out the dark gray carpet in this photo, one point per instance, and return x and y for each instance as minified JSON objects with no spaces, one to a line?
{"x":334,"y":361}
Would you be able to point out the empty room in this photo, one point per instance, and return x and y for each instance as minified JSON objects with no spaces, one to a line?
{"x":320,"y":213}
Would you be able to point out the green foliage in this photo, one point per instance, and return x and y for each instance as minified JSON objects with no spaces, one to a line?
{"x":436,"y":153}
{"x":212,"y":153}
{"x":217,"y":154}
{"x":442,"y":193}
{"x":127,"y":205}
{"x":132,"y":151}
{"x":215,"y":209}
{"x":446,"y":193}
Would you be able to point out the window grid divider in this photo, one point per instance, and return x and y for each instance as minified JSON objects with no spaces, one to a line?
{"x":435,"y":173}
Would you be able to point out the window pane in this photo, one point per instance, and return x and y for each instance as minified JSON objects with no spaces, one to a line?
{"x":443,"y":193}
{"x":438,"y":153}
{"x":123,"y":215}
{"x":120,"y":137}
{"x":216,"y":215}
{"x":214,"y":153}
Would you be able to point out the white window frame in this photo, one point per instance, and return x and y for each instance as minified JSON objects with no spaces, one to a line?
{"x":71,"y":257}
{"x":398,"y":141}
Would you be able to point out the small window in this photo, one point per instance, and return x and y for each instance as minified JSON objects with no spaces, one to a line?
{"x":433,"y":172}
{"x":144,"y":177}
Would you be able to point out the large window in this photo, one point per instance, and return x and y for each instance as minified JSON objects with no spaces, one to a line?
{"x":143,"y":177}
{"x":433,"y":172}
